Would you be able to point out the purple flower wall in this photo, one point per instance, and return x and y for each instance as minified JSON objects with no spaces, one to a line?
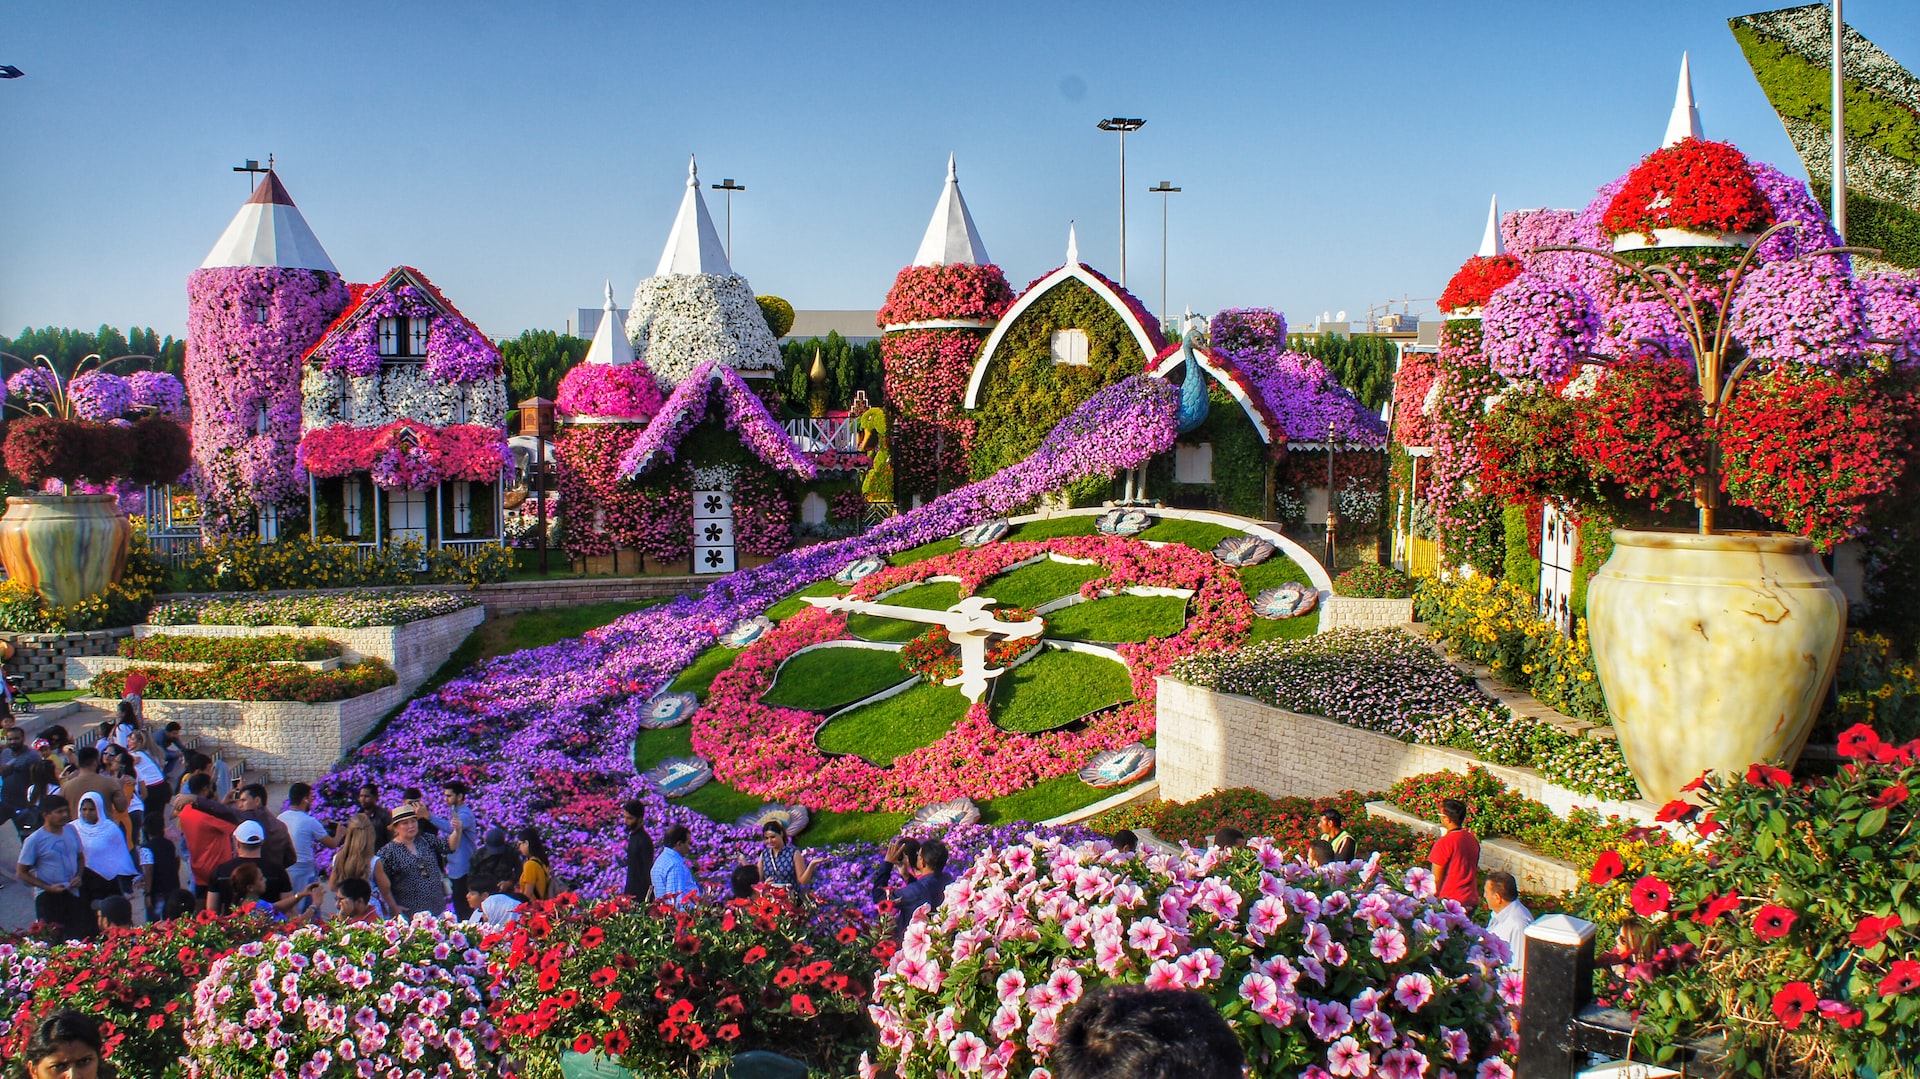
{"x":247,"y":327}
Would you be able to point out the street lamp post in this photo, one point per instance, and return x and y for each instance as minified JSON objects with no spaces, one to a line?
{"x":1839,"y":128}
{"x":729,"y":187}
{"x":1332,"y":503}
{"x":1122,"y":124}
{"x":1163,"y":190}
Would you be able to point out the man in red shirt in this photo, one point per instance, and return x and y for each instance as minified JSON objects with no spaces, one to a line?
{"x":209,"y":839}
{"x":1456,"y":857}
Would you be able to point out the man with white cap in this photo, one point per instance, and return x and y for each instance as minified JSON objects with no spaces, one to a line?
{"x":248,"y":839}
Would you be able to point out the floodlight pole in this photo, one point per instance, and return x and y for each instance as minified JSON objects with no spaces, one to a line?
{"x":252,"y":168}
{"x":1163,"y":190}
{"x":729,"y":187}
{"x":1839,"y":127}
{"x":1122,"y":124}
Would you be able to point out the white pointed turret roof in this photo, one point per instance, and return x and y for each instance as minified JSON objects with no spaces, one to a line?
{"x":1685,"y":121}
{"x":693,"y":247}
{"x":1073,"y":246}
{"x":951,"y":238}
{"x":269,"y":231}
{"x":1492,"y":244}
{"x":610,"y":345}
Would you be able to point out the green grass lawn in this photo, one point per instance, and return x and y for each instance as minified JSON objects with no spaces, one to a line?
{"x":1030,"y":586}
{"x":793,"y":604}
{"x":936,"y":596}
{"x":830,"y":678}
{"x":1043,"y":801}
{"x":1119,"y":618}
{"x":699,"y":675}
{"x":1197,"y":534}
{"x":1054,"y":527}
{"x":56,"y":696}
{"x":1055,"y":688}
{"x":1284,"y":629}
{"x":925,"y":551}
{"x":897,"y":725}
{"x":1273,"y":573}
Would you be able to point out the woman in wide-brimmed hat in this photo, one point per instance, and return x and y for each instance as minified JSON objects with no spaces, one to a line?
{"x":407,"y":872}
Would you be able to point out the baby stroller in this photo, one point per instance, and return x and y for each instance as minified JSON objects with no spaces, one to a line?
{"x":17,"y":698}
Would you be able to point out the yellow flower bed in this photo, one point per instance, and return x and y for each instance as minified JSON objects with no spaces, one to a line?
{"x":1494,"y":623}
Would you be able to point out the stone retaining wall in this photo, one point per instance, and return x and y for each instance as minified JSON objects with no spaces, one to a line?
{"x":39,"y":660}
{"x":82,"y":670}
{"x":511,"y":597}
{"x":289,"y":741}
{"x":1537,"y":873}
{"x":1208,"y":741}
{"x":1352,"y":612}
{"x":414,"y":650}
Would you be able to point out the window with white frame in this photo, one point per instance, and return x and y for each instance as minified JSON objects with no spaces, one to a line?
{"x":1193,"y":462}
{"x":407,"y":515}
{"x":401,"y":337}
{"x":462,"y":508}
{"x":350,"y":504}
{"x":416,"y":337}
{"x":343,"y":400}
{"x":260,"y":419}
{"x":390,"y":336}
{"x":269,"y":523}
{"x":1070,"y":347}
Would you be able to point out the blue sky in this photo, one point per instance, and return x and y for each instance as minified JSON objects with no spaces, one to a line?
{"x":1333,"y":155}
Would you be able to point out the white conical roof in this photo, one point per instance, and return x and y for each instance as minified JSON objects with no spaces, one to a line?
{"x":693,"y":247}
{"x":1685,"y":121}
{"x":1073,"y":246}
{"x":269,"y":231}
{"x":951,"y":238}
{"x":1492,"y":244}
{"x":610,"y":345}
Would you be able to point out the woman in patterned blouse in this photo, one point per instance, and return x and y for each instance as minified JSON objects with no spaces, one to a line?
{"x":408,"y":870}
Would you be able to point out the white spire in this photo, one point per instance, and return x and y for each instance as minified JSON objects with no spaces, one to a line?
{"x":610,"y":345}
{"x":951,"y":238}
{"x":1492,"y":244}
{"x":694,"y":246}
{"x":1685,"y":122}
{"x":1073,"y":246}
{"x":269,"y":231}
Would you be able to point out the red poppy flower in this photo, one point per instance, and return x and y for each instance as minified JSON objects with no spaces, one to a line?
{"x":688,"y":945}
{"x":1892,"y":796}
{"x":815,"y":971}
{"x":1761,"y":775}
{"x":727,"y":922}
{"x":697,"y":1039}
{"x":727,"y":1032}
{"x":1858,"y":740}
{"x":567,"y":998}
{"x":1772,"y":922}
{"x":1792,"y":1003}
{"x":1843,"y":1015}
{"x":786,"y":977}
{"x":681,"y":1011}
{"x":669,"y":1031}
{"x":672,"y":973}
{"x":156,"y":1021}
{"x":1706,"y":826}
{"x":603,"y":977}
{"x":549,"y":978}
{"x":802,"y":1004}
{"x":592,"y":937}
{"x":611,"y":1001}
{"x":1871,"y":931}
{"x":754,"y":955}
{"x":1678,"y":809}
{"x":1902,"y":977}
{"x":1699,"y":783}
{"x":1716,"y":907}
{"x":835,"y":983}
{"x":1606,"y":869}
{"x":616,"y":1043}
{"x":732,"y":1005}
{"x":847,"y":934}
{"x":583,"y":1044}
{"x":1651,"y":895}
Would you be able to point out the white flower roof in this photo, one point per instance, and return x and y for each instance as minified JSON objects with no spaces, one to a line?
{"x":269,"y":231}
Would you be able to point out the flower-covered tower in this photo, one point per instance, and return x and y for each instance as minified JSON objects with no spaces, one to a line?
{"x":936,"y":315}
{"x":262,"y":297}
{"x":695,"y":309}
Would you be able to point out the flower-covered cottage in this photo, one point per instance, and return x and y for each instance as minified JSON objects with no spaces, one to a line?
{"x":403,"y":425}
{"x":701,"y":481}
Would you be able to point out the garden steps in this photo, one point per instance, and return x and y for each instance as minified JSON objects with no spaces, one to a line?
{"x":1519,"y":702}
{"x":1537,"y":873}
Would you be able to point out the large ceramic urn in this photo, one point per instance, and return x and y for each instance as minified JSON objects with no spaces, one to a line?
{"x":67,"y":546}
{"x":1714,"y":651}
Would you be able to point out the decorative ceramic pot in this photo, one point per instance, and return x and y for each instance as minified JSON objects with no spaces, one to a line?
{"x":1713,"y":651}
{"x":67,"y":546}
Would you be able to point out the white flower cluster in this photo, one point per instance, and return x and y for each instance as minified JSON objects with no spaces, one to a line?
{"x":718,"y":477}
{"x":680,"y":321}
{"x":400,"y":391}
{"x":1359,"y":502}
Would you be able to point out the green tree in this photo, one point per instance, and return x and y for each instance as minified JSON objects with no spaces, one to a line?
{"x":1363,"y":364}
{"x":65,"y":348}
{"x":536,"y":360}
{"x":850,"y":369}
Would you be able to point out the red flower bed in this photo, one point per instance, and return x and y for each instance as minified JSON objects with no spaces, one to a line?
{"x":1696,"y":185}
{"x":252,"y":682}
{"x":1476,"y":281}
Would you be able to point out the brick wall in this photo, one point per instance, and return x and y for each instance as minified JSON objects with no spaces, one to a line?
{"x":39,"y":660}
{"x":1208,"y":741}
{"x":1350,"y":612}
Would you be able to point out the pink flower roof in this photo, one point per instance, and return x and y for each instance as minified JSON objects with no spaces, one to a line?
{"x":360,"y":297}
{"x":746,"y":416}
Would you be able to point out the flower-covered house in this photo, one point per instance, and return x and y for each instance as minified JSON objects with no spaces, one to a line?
{"x":403,"y":421}
{"x":1072,"y":333}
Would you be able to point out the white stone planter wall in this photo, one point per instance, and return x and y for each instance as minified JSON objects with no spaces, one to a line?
{"x":290,"y":742}
{"x":1351,"y":612}
{"x":1537,"y":873}
{"x":1208,"y":741}
{"x":414,"y":650}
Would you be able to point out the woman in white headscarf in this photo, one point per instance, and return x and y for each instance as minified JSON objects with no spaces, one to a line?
{"x":109,"y":864}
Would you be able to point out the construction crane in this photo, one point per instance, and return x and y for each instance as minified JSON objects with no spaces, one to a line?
{"x":1374,"y":311}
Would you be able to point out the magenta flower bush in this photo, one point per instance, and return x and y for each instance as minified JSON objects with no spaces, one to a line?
{"x":239,"y":366}
{"x":157,"y":390}
{"x":1536,"y":327}
{"x":746,"y":415}
{"x":456,"y":351}
{"x":544,"y":735}
{"x":627,"y":392}
{"x":1321,"y":972}
{"x":99,"y":395}
{"x":1247,"y":332}
{"x":1804,"y":312}
{"x":1892,"y":303}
